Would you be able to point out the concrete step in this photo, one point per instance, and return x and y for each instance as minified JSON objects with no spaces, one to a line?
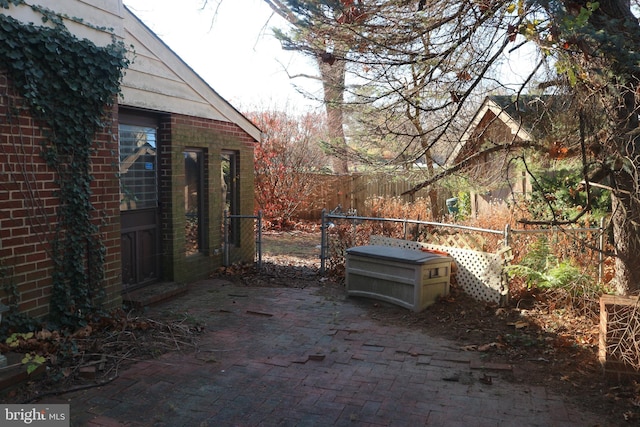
{"x":153,"y":294}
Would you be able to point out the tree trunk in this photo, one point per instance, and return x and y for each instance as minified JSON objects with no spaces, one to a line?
{"x":626,"y":150}
{"x":436,"y":209}
{"x":333,"y":82}
{"x":625,"y":204}
{"x":626,"y":244}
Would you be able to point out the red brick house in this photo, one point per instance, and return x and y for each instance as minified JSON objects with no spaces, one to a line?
{"x":177,"y":156}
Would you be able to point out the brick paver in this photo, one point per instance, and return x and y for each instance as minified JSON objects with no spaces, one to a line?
{"x":290,"y":357}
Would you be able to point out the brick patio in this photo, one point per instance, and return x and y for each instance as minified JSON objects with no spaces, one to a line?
{"x":291,"y":357}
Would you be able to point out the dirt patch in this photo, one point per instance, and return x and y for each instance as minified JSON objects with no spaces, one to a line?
{"x":295,"y":245}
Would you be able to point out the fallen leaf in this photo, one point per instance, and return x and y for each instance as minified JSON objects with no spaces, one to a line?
{"x":486,"y":379}
{"x":83,"y":332}
{"x":43,"y":334}
{"x":487,"y":347}
{"x":519,"y":324}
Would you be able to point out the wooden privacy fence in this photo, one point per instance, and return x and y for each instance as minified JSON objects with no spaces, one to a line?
{"x":350,"y":192}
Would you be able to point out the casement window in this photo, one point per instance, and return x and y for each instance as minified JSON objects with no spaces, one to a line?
{"x":194,"y":202}
{"x":231,"y":193}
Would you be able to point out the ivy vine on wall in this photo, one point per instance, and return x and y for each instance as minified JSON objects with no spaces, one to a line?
{"x":69,"y":86}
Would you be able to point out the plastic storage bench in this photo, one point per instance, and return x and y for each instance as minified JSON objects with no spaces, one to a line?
{"x":409,"y":278}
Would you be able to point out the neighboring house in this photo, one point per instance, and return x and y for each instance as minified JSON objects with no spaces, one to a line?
{"x":501,"y":121}
{"x":182,"y":156}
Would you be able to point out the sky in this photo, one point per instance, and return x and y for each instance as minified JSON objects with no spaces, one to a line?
{"x":232,"y":49}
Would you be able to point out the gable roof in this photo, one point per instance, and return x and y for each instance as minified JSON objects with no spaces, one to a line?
{"x":158,"y":79}
{"x":525,"y":116}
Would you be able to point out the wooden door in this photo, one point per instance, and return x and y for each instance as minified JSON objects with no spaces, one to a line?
{"x":139,"y":216}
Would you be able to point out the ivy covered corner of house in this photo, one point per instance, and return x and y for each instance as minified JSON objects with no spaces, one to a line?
{"x":68,"y":85}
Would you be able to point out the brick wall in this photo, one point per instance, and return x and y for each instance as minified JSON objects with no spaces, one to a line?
{"x":176,"y":134}
{"x":106,"y":201}
{"x":28,"y":207}
{"x":28,"y":202}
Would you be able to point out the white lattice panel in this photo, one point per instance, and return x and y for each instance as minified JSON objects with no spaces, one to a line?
{"x":455,"y":240}
{"x":478,"y":273}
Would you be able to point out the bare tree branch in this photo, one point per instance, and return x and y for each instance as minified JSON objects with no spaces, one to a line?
{"x":470,"y":160}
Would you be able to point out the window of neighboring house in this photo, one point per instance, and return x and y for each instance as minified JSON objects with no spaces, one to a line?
{"x":194,"y":199}
{"x":231,"y":194}
{"x":138,"y":179}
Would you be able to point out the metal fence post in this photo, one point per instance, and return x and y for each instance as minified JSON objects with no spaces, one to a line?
{"x":507,"y":236}
{"x":323,"y":241}
{"x":354,"y":231}
{"x":259,"y":240}
{"x":226,"y":238}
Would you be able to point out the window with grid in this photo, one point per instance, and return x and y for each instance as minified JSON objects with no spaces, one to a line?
{"x":138,"y":178}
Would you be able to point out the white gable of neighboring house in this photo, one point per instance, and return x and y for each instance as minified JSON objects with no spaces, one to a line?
{"x":495,"y":120}
{"x":489,"y":105}
{"x":157,"y":79}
